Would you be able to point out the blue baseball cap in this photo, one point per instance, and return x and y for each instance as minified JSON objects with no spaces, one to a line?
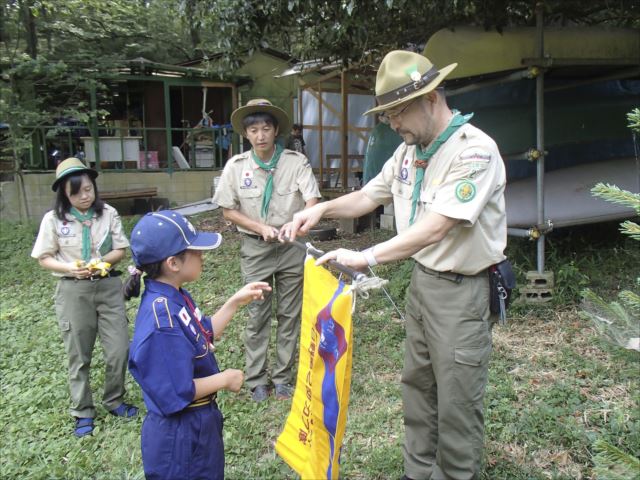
{"x":161,"y":234}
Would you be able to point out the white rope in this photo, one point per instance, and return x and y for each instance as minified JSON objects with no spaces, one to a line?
{"x":362,"y":286}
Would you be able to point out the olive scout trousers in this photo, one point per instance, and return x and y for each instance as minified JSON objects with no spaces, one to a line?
{"x":86,"y":309}
{"x":447,"y":353}
{"x":281,"y":265}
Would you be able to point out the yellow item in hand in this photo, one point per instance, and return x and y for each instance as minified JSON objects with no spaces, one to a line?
{"x":95,"y":265}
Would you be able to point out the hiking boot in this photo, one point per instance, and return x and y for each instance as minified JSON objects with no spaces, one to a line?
{"x":284,"y":391}
{"x":260,"y":393}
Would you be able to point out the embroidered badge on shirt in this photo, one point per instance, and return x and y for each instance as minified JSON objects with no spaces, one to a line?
{"x":184,"y":316}
{"x":198,"y":314}
{"x":247,"y":178}
{"x":193,"y":329}
{"x":465,"y":191}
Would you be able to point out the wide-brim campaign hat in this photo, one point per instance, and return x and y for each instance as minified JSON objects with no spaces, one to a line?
{"x":260,"y":105}
{"x":69,"y":166}
{"x":162,"y":234}
{"x":403,"y":76}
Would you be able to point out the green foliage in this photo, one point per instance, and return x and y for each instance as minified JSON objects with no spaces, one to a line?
{"x":350,"y":30}
{"x":611,"y":463}
{"x":619,"y":322}
{"x":611,"y":319}
{"x":634,"y":120}
{"x":53,"y":52}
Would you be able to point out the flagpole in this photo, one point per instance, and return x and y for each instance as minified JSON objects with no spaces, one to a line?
{"x":315,"y":253}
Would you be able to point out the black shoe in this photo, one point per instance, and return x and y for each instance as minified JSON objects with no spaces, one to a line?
{"x":260,"y":393}
{"x":284,"y":391}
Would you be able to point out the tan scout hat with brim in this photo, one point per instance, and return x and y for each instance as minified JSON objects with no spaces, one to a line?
{"x":403,"y":76}
{"x":69,"y":166}
{"x":260,"y":105}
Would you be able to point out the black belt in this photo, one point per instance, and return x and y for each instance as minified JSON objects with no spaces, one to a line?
{"x":259,"y":238}
{"x":94,"y":278}
{"x":451,"y":276}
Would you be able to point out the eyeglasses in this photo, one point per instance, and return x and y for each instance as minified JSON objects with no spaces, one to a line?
{"x":392,"y":115}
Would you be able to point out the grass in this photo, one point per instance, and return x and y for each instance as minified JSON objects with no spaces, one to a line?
{"x":555,"y":387}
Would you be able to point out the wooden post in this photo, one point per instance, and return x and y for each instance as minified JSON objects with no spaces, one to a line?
{"x":320,"y":136}
{"x":344,"y":131}
{"x":167,"y":125}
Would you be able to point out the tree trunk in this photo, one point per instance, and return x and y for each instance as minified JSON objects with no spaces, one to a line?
{"x":29,"y":23}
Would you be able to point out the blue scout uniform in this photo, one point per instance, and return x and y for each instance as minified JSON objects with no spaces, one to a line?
{"x":181,"y":438}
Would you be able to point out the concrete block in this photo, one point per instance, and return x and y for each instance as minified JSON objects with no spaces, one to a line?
{"x":387,"y":222}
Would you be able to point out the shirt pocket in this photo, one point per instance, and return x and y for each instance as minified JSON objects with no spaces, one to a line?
{"x":71,"y":241}
{"x":399,"y":189}
{"x":286,"y":201}
{"x":427,"y":195}
{"x":401,"y":203}
{"x":250,"y":198}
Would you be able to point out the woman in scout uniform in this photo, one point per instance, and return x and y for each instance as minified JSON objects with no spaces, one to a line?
{"x":259,"y":191}
{"x":172,"y":353}
{"x":446,"y":181}
{"x":78,"y":235}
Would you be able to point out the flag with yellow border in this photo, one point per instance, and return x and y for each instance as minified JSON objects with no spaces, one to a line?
{"x":311,"y":440}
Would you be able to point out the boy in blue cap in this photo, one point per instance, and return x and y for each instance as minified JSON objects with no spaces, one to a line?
{"x":172,"y":354}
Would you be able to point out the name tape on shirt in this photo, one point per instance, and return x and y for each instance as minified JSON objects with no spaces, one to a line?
{"x":184,"y":316}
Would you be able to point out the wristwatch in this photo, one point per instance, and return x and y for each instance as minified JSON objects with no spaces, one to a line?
{"x":368,"y":255}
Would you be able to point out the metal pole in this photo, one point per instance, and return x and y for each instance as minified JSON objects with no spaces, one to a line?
{"x":94,"y":124}
{"x":540,"y":133}
{"x":315,"y":253}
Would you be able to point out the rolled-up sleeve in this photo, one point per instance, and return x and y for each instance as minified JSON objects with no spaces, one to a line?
{"x":118,"y":236}
{"x":226,"y":195}
{"x":47,"y":240}
{"x":307,"y":181}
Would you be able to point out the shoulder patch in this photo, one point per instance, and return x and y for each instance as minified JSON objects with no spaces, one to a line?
{"x":475,"y":154}
{"x":475,"y":159}
{"x":161,"y":313}
{"x":465,"y":191}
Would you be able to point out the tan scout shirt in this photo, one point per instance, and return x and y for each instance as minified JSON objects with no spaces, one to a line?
{"x":63,"y":239}
{"x":465,"y":179}
{"x":243,"y":181}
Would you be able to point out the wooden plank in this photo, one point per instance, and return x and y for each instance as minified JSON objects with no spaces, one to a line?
{"x":133,"y":193}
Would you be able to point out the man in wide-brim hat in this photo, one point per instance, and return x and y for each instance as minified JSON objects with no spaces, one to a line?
{"x":259,"y":191}
{"x":446,"y":181}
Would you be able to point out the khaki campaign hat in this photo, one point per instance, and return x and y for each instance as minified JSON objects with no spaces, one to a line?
{"x":260,"y":105}
{"x":69,"y":166}
{"x":403,"y":76}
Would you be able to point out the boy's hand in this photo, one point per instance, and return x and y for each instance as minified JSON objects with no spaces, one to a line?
{"x":250,"y":292}
{"x":234,"y":379}
{"x":78,"y":270}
